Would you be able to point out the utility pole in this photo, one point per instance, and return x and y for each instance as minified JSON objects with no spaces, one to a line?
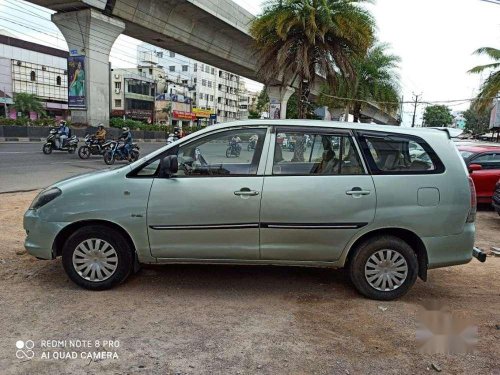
{"x":415,"y":109}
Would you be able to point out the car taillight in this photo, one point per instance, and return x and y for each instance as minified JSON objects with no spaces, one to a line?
{"x":473,"y":202}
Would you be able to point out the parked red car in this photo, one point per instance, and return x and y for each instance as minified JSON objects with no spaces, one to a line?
{"x":483,"y":162}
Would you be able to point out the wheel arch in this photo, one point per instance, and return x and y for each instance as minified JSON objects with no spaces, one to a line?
{"x":67,"y":231}
{"x":412,"y":239}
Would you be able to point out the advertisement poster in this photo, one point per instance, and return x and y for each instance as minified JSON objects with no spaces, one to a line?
{"x":275,"y":109}
{"x":76,"y":82}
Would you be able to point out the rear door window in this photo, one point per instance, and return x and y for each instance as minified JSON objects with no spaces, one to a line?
{"x":311,"y":153}
{"x":399,"y":154}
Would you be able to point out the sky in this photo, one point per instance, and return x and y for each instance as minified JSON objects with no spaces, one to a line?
{"x":434,"y":38}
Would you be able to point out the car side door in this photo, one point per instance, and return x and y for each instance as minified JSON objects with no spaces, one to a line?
{"x":210,"y":208}
{"x":486,"y":178}
{"x":317,"y":195}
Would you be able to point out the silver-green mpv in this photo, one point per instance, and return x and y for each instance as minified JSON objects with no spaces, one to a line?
{"x":387,"y":203}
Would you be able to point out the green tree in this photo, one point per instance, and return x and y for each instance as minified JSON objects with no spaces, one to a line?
{"x":263,"y":101}
{"x":26,"y":103}
{"x":437,"y":115}
{"x":491,"y":86}
{"x":295,"y":39}
{"x":476,"y":122}
{"x":292,"y":110}
{"x":375,"y":80}
{"x":253,"y":114}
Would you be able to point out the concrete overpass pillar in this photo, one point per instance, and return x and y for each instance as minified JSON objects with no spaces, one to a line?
{"x":279,"y":95}
{"x":90,"y":35}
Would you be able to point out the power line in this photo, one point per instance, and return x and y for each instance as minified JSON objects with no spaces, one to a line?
{"x":406,"y":102}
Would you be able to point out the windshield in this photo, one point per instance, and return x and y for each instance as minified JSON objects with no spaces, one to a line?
{"x":466,"y":154}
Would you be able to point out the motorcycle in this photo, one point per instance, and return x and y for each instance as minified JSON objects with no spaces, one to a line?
{"x":70,"y":144}
{"x":234,"y":149}
{"x":251,"y":145}
{"x":116,"y":152}
{"x":92,"y":147}
{"x":172,"y":138}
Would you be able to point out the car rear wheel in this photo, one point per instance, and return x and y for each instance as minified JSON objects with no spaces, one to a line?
{"x":383,"y":268}
{"x":97,"y":258}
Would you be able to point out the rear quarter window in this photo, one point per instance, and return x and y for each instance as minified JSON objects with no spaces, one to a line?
{"x":399,"y":154}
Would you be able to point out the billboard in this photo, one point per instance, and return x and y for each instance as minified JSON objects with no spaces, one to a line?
{"x":174,"y":98}
{"x":274,"y":109}
{"x":202,"y":112}
{"x":76,"y":82}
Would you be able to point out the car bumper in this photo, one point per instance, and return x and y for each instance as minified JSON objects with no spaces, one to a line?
{"x":450,"y":250}
{"x":40,"y":235}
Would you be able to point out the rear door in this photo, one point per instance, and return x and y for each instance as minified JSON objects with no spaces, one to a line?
{"x":316,"y":196}
{"x":486,"y":178}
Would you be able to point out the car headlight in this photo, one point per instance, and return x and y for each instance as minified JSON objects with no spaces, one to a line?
{"x":45,"y":197}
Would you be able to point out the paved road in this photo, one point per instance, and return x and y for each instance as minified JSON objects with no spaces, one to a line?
{"x":23,"y":166}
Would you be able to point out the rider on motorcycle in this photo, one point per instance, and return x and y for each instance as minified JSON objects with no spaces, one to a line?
{"x":253,"y":139}
{"x":62,"y":134}
{"x":235,"y":142}
{"x":100,"y":134}
{"x":127,"y":139}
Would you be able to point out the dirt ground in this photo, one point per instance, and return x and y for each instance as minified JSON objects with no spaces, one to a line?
{"x":235,"y":320}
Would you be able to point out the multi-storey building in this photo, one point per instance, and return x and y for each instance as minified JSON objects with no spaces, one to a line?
{"x":247,"y":101}
{"x":32,"y":68}
{"x":133,"y":92}
{"x":214,"y":92}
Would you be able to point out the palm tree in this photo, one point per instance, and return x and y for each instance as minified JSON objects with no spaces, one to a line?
{"x":375,"y":80}
{"x":295,"y":39}
{"x":491,"y":86}
{"x":26,"y":103}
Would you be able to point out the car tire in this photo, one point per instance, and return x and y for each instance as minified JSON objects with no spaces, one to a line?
{"x":383,"y":268}
{"x":97,"y":257}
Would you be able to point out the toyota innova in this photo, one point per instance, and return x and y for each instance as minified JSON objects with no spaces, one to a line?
{"x":386,"y":203}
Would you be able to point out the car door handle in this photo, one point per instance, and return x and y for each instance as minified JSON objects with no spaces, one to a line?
{"x":357,"y":191}
{"x":245,"y":192}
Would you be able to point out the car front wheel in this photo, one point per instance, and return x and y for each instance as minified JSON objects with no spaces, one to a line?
{"x":383,"y":268}
{"x":97,"y":257}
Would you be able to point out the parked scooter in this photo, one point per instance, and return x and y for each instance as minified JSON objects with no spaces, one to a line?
{"x":116,"y":152}
{"x":70,"y":144}
{"x":92,"y":147}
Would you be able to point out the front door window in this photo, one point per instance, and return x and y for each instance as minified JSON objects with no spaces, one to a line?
{"x":228,"y":153}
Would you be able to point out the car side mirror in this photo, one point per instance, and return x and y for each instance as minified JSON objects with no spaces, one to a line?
{"x":475,"y":167}
{"x":168,"y":166}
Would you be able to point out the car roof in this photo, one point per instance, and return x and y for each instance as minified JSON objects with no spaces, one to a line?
{"x":332,"y":124}
{"x":478,"y":148}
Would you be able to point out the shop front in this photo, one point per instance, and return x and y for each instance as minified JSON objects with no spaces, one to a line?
{"x":183,"y":118}
{"x":204,"y":117}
